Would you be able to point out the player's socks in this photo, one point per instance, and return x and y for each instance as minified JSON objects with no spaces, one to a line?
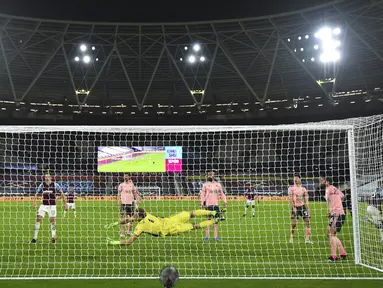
{"x":333,"y":245}
{"x":53,"y":230}
{"x":308,"y":232}
{"x":36,"y":230}
{"x":340,"y":247}
{"x":74,"y":212}
{"x":244,"y":214}
{"x":215,"y":231}
{"x":129,"y":227}
{"x":201,"y":212}
{"x":122,"y":230}
{"x":65,"y":213}
{"x":206,"y":224}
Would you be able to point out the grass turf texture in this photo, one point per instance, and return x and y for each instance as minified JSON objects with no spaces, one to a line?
{"x":150,"y":162}
{"x":256,"y":247}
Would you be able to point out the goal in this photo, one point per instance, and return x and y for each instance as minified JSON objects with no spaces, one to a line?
{"x":168,"y":165}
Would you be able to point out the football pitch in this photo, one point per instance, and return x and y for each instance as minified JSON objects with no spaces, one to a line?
{"x":250,"y":247}
{"x":151,"y":162}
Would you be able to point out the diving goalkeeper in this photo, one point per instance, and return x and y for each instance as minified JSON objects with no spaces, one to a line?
{"x":170,"y":226}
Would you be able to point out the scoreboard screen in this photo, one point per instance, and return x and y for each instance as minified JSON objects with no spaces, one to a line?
{"x":140,"y":159}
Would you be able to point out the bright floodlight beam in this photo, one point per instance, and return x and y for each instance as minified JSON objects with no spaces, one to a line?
{"x":86,"y":59}
{"x":336,"y":31}
{"x":202,"y":58}
{"x":191,"y":59}
{"x":83,"y":48}
{"x":76,"y":58}
{"x":196,"y":47}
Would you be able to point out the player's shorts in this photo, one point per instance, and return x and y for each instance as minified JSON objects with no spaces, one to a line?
{"x":374,"y":213}
{"x":177,"y":224}
{"x":69,"y":206}
{"x":337,"y":221}
{"x":301,"y":212}
{"x":127,"y":209}
{"x":250,"y":202}
{"x":214,"y":208}
{"x":47,"y":209}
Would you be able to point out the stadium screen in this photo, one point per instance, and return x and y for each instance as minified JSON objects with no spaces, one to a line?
{"x":140,"y":159}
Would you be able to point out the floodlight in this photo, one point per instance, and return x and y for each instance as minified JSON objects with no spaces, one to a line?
{"x":299,"y":38}
{"x":316,"y":47}
{"x":93,"y":48}
{"x":181,"y":59}
{"x":302,"y":49}
{"x":330,"y":56}
{"x":312,"y":59}
{"x":83,"y":48}
{"x":324,"y":34}
{"x":77,"y":58}
{"x":307,"y":36}
{"x":86,"y":59}
{"x":288,"y":40}
{"x":202,"y":58}
{"x":196,"y":47}
{"x":186,"y":48}
{"x":96,"y":59}
{"x":336,"y":31}
{"x":191,"y":58}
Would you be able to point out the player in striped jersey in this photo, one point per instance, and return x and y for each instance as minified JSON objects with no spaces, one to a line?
{"x":250,"y":200}
{"x":299,"y":205}
{"x":334,"y":198}
{"x":70,"y":203}
{"x":48,"y":190}
{"x":127,"y":198}
{"x":211,"y":194}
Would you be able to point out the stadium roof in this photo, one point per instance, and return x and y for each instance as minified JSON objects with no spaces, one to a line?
{"x":254,"y":63}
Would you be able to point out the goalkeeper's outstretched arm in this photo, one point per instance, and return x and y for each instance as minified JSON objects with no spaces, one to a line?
{"x":128,"y":241}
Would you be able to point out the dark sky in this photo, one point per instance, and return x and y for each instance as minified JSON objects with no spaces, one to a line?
{"x":150,"y":11}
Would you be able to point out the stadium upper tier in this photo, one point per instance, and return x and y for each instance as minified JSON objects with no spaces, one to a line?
{"x":230,"y":66}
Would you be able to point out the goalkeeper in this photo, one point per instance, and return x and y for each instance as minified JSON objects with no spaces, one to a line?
{"x":170,"y":226}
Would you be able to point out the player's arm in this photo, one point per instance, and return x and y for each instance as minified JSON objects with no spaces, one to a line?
{"x":306,"y":201}
{"x":203,"y":195}
{"x":291,"y":200}
{"x":119,"y":196}
{"x":38,"y":191}
{"x":223,"y":196}
{"x":137,"y":196}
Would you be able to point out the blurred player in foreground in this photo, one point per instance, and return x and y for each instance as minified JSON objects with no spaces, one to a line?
{"x":250,"y":200}
{"x":127,"y":197}
{"x":374,"y":210}
{"x":170,"y":226}
{"x":211,"y":193}
{"x":334,"y":198}
{"x":70,"y":205}
{"x":299,"y":204}
{"x":48,"y":189}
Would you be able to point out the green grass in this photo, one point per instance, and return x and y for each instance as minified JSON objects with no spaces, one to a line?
{"x":150,"y":162}
{"x":250,"y":247}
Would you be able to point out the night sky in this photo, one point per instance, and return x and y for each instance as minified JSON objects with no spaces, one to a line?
{"x":150,"y":11}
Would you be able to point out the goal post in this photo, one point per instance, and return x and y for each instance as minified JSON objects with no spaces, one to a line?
{"x":168,"y":165}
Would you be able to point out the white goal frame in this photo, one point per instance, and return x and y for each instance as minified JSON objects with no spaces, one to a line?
{"x":321,"y":126}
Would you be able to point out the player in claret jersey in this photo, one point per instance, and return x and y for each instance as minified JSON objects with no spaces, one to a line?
{"x":299,"y":205}
{"x":211,"y":194}
{"x":48,"y":190}
{"x":250,"y":201}
{"x":70,"y":205}
{"x":127,"y":197}
{"x":334,"y":198}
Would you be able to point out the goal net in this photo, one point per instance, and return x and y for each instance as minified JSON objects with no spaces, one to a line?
{"x":168,"y":166}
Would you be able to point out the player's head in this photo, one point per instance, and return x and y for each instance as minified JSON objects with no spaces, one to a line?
{"x":211,"y":176}
{"x":297,"y":179}
{"x":47,"y":178}
{"x":70,"y":189}
{"x":126,"y":177}
{"x":324,"y":181}
{"x":139,"y":214}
